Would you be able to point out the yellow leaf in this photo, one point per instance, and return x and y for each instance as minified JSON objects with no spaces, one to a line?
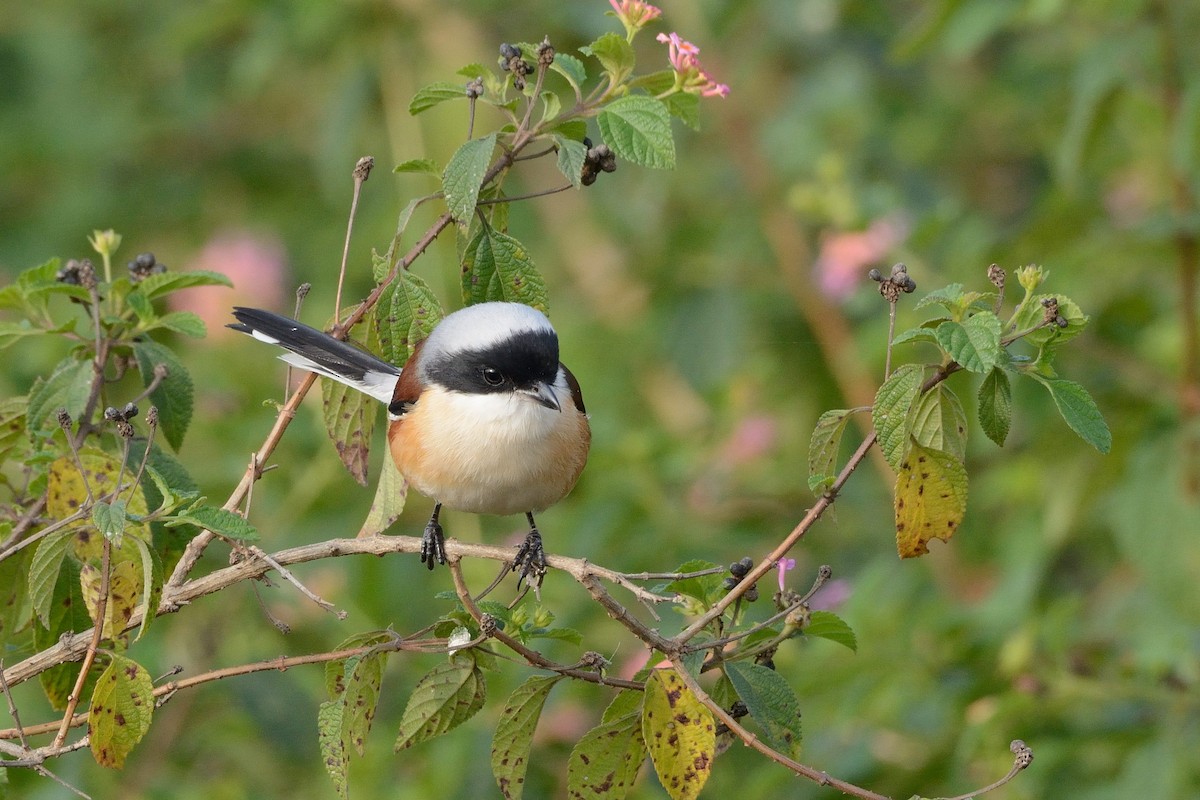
{"x":67,"y":492}
{"x":931,"y":498}
{"x":124,"y":592}
{"x":679,"y":733}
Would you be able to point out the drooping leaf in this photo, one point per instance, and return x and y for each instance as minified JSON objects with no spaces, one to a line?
{"x":390,"y":496}
{"x":67,"y":387}
{"x":679,"y":733}
{"x":44,"y":572}
{"x":66,"y":613}
{"x":827,"y":625}
{"x":931,"y":498}
{"x":638,"y":129}
{"x":571,"y":155}
{"x":463,"y":176}
{"x":514,"y":733}
{"x":361,"y":698}
{"x":14,"y":610}
{"x":1079,"y":411}
{"x":333,"y":750}
{"x":570,"y":68}
{"x":498,"y":267}
{"x":975,"y":343}
{"x":890,"y":413}
{"x":350,"y":417}
{"x":823,"y":448}
{"x":771,"y":703}
{"x":174,"y":395}
{"x":121,"y":710}
{"x":447,"y":696}
{"x":605,"y":762}
{"x":939,"y":422}
{"x":995,"y":405}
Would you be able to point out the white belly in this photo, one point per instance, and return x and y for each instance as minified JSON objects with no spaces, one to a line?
{"x":490,"y":453}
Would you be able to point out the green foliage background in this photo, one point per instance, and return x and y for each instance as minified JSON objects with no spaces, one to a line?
{"x":1065,"y":612}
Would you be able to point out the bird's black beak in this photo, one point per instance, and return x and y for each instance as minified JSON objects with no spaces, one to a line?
{"x":544,"y":393}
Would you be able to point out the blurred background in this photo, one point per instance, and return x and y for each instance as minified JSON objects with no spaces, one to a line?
{"x":711,"y":313}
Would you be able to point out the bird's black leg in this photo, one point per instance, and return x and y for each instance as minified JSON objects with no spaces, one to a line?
{"x":531,"y":557}
{"x":433,"y":543}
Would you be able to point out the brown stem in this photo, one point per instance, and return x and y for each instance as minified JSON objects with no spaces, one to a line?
{"x":90,"y":656}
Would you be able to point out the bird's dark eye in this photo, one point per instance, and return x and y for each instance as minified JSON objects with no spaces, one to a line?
{"x":492,"y":376}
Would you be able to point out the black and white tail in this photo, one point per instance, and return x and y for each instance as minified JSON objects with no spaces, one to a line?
{"x":312,"y":350}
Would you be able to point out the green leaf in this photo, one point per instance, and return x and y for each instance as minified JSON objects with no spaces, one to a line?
{"x":570,"y":68}
{"x":184,"y":322}
{"x":14,"y":610}
{"x":435,"y":93}
{"x":890,"y":413}
{"x":995,"y":405}
{"x":447,"y":696}
{"x":686,"y":107}
{"x":605,"y":762}
{"x":1032,"y":312}
{"x":13,"y":332}
{"x":165,"y":282}
{"x":614,"y":54}
{"x":174,"y":396}
{"x":950,"y":297}
{"x":219,"y":521}
{"x":141,"y":306}
{"x":390,"y":496}
{"x":679,"y":733}
{"x":44,"y":572}
{"x":497,"y":267}
{"x":67,"y":387}
{"x":705,"y":588}
{"x":1079,"y":411}
{"x":823,"y":448}
{"x":575,"y":129}
{"x":771,"y":702}
{"x":109,"y":519}
{"x":463,"y":176}
{"x":514,"y":733}
{"x":361,"y":698}
{"x":422,"y":166}
{"x":408,"y":311}
{"x":975,"y":344}
{"x":121,"y":709}
{"x":571,"y":155}
{"x":333,"y":749}
{"x":920,"y":334}
{"x":349,"y":417}
{"x":151,"y":589}
{"x":627,"y":701}
{"x":551,"y":105}
{"x":931,"y":498}
{"x":827,"y":625}
{"x":939,"y":422}
{"x":638,"y":129}
{"x":66,"y":614}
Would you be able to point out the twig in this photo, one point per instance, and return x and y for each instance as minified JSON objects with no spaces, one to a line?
{"x":90,"y":656}
{"x":1024,"y":757}
{"x":12,"y":708}
{"x":491,"y":200}
{"x":362,"y":170}
{"x":286,"y":574}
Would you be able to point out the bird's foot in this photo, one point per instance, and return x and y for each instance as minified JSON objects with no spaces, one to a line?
{"x":433,"y":544}
{"x":530,"y":562}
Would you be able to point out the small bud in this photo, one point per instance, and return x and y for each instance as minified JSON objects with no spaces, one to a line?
{"x":144,"y":266}
{"x":875,"y":275}
{"x":509,"y":52}
{"x":752,"y":593}
{"x":474,"y":89}
{"x":111,"y":414}
{"x":825,"y":572}
{"x":152,"y":416}
{"x":302,"y":291}
{"x":362,"y":169}
{"x":130,"y":411}
{"x":545,"y":52}
{"x":105,"y":242}
{"x":64,"y":419}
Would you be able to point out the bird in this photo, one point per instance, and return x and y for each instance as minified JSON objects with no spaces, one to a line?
{"x":483,"y":416}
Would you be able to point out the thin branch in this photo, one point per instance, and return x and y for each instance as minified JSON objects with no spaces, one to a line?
{"x":362,"y":171}
{"x":12,"y":708}
{"x":491,"y":200}
{"x":1023,"y":758}
{"x":284,"y":573}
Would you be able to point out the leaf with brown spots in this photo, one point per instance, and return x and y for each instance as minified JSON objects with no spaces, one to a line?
{"x":679,"y":733}
{"x":514,"y":733}
{"x":67,"y":492}
{"x":605,"y":762}
{"x":931,"y":498}
{"x":350,"y":418}
{"x":124,"y":593}
{"x":333,"y":749}
{"x":122,"y":706}
{"x":496,"y":266}
{"x":448,"y":695}
{"x":408,"y":311}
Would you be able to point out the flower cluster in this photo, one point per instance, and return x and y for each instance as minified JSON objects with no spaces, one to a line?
{"x":634,"y":14}
{"x":690,"y":76}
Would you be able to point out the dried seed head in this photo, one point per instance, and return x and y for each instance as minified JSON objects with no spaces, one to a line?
{"x":362,"y":170}
{"x":996,"y":275}
{"x":545,"y":52}
{"x":64,"y":419}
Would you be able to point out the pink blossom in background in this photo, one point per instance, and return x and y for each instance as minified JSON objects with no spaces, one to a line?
{"x":830,"y":596}
{"x":752,"y":439}
{"x":841,"y":266}
{"x":257,"y":265}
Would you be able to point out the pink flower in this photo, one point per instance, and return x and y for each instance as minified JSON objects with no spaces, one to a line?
{"x":634,"y":14}
{"x":690,"y":76}
{"x":783,"y":565}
